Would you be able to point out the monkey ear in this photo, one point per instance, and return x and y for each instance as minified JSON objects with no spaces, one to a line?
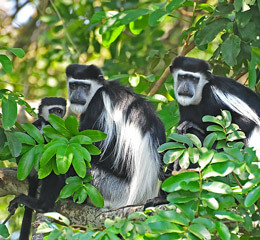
{"x":171,"y":68}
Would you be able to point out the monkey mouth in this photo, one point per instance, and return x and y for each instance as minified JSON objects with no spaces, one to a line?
{"x":184,"y":94}
{"x":78,"y":102}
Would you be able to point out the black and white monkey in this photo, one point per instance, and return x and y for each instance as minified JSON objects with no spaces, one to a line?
{"x":200,"y":93}
{"x":50,"y":105}
{"x":129,"y":167}
{"x":51,"y":185}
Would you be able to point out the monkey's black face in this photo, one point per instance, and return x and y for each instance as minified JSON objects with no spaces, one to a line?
{"x":188,"y":86}
{"x":81,"y":92}
{"x":57,"y":111}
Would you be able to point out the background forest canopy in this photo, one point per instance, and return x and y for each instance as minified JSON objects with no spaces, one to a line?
{"x":134,"y":41}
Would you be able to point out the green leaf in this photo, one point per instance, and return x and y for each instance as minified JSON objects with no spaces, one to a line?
{"x":49,"y":151}
{"x":132,"y":15}
{"x":58,"y":217}
{"x":223,"y":231}
{"x":78,"y":163}
{"x":217,"y":187}
{"x":98,"y":16}
{"x":184,"y":160}
{"x":9,"y":112}
{"x":51,"y":133}
{"x":33,"y":132}
{"x":45,"y":170}
{"x":25,"y":164}
{"x":95,"y":135}
{"x":37,"y":156}
{"x":14,"y":144}
{"x":19,"y":52}
{"x":230,"y":49}
{"x":84,"y":152}
{"x":210,"y":140}
{"x":216,"y":120}
{"x":92,"y":149}
{"x":182,"y":197}
{"x":137,"y":26}
{"x":24,"y":138}
{"x":4,"y":231}
{"x":238,"y":5}
{"x":173,"y":5}
{"x":229,"y":215}
{"x":110,"y":36}
{"x":210,"y":225}
{"x":173,"y":216}
{"x":173,"y":183}
{"x":2,"y":139}
{"x":6,"y":63}
{"x":59,"y":124}
{"x":181,"y":138}
{"x":72,"y":125}
{"x":252,"y":76}
{"x":80,"y":195}
{"x":69,"y":189}
{"x":199,"y":231}
{"x":210,"y":31}
{"x":172,"y":155}
{"x":214,"y":128}
{"x":170,"y":145}
{"x":210,"y":201}
{"x":164,"y":227}
{"x":64,"y":156}
{"x":194,"y":139}
{"x":252,"y":197}
{"x":81,"y":139}
{"x":218,"y":169}
{"x":205,"y":158}
{"x":156,"y":17}
{"x":94,"y":195}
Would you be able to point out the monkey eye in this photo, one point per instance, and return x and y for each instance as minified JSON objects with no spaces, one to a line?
{"x":73,"y":85}
{"x":86,"y":86}
{"x":181,"y":76}
{"x":195,"y":79}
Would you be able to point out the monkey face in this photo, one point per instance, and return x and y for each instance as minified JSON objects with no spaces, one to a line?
{"x":81,"y":92}
{"x":188,"y":86}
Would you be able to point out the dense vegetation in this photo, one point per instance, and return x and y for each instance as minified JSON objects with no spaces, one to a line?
{"x":136,"y":41}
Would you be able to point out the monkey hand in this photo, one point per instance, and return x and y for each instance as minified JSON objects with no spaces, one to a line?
{"x":13,"y":205}
{"x":184,"y":126}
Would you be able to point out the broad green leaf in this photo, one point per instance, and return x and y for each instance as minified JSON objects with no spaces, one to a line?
{"x":184,"y":160}
{"x":210,"y":201}
{"x":58,"y":217}
{"x":81,"y":139}
{"x":182,"y":197}
{"x":214,"y":128}
{"x":210,"y":140}
{"x":49,"y":151}
{"x":6,"y":63}
{"x":217,"y":187}
{"x":173,"y":216}
{"x":9,"y":112}
{"x":59,"y":124}
{"x":51,"y":133}
{"x":95,"y":135}
{"x":132,"y":15}
{"x":164,"y":227}
{"x":194,"y":139}
{"x":74,"y":179}
{"x":72,"y":125}
{"x":78,"y":163}
{"x":230,"y":49}
{"x":223,"y":231}
{"x":170,"y":145}
{"x":235,"y":153}
{"x":98,"y":16}
{"x":238,"y":5}
{"x":25,"y":164}
{"x":173,"y":5}
{"x":210,"y":31}
{"x":181,"y":139}
{"x":220,"y":157}
{"x":110,"y":36}
{"x":252,"y":196}
{"x":33,"y":132}
{"x":228,"y":215}
{"x":92,"y":149}
{"x":206,"y":158}
{"x":172,"y":155}
{"x":80,"y":195}
{"x":19,"y":52}
{"x":173,"y":183}
{"x":14,"y":144}
{"x":156,"y":17}
{"x":64,"y":156}
{"x":226,"y":117}
{"x":84,"y":152}
{"x":238,"y":135}
{"x":45,"y":170}
{"x":199,"y":231}
{"x":69,"y":189}
{"x":213,"y":119}
{"x":2,"y":139}
{"x":252,"y":76}
{"x":209,"y":224}
{"x":24,"y":138}
{"x":94,"y":195}
{"x":218,"y":169}
{"x":250,"y":184}
{"x":37,"y":156}
{"x":4,"y":231}
{"x":137,"y":26}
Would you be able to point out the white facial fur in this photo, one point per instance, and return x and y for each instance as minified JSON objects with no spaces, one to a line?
{"x":94,"y":86}
{"x":186,"y":100}
{"x":45,"y":110}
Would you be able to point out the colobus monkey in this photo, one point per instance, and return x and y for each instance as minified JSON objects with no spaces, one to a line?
{"x":129,"y":167}
{"x":200,"y":93}
{"x":50,"y":105}
{"x":51,"y":185}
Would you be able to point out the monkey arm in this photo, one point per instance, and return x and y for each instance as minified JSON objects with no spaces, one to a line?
{"x":187,"y":125}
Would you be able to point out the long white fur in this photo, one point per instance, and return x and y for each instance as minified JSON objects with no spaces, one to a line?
{"x":45,"y":110}
{"x":236,"y":104}
{"x":94,"y":86}
{"x":134,"y":150}
{"x":197,"y":91}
